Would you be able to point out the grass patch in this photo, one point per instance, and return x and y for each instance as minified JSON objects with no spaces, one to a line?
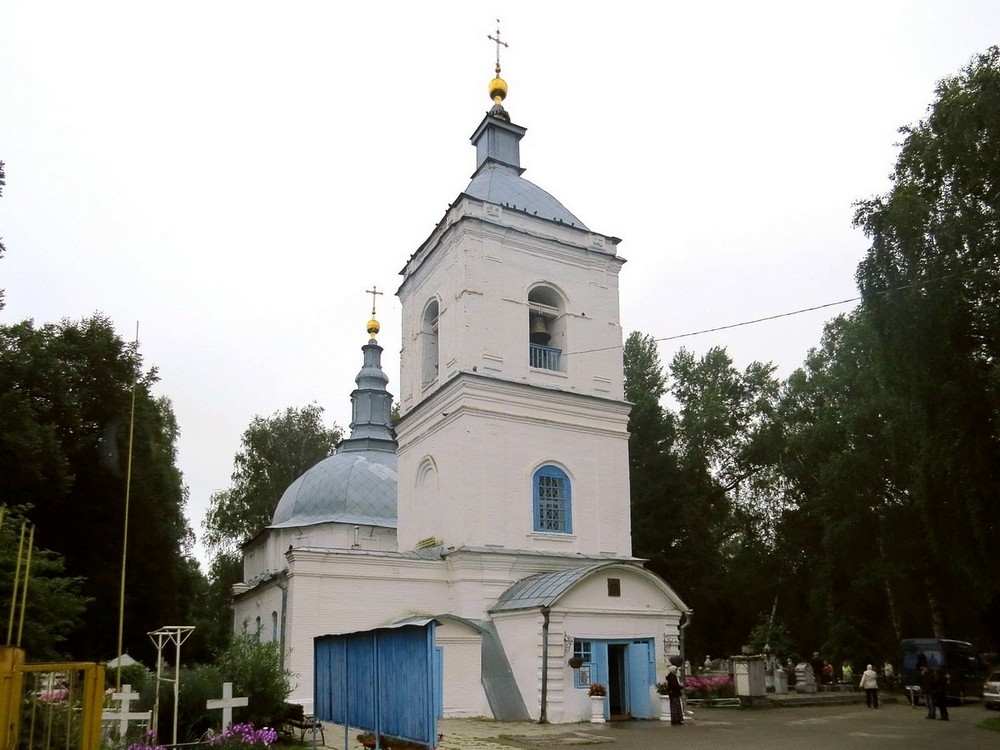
{"x":992,"y":724}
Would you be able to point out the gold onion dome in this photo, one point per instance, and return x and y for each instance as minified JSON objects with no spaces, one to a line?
{"x":372,"y":328}
{"x":498,"y":90}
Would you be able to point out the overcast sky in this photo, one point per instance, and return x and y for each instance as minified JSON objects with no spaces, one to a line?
{"x":234,"y":175}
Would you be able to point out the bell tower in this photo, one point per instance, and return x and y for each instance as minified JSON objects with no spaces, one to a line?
{"x":514,"y":425}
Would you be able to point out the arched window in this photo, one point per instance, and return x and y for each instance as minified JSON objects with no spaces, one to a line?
{"x":546,"y":328}
{"x":429,"y":344}
{"x":256,"y":635}
{"x":553,"y":500}
{"x":274,"y":626}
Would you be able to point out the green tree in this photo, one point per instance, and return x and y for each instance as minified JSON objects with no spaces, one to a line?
{"x":699,"y":502}
{"x":65,"y":408}
{"x":53,"y":605}
{"x":846,"y":536}
{"x":931,"y":284}
{"x":274,"y":453}
{"x":722,"y":414}
{"x":653,"y":471}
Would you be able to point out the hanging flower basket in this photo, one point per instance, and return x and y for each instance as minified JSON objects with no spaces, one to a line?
{"x":575,"y":662}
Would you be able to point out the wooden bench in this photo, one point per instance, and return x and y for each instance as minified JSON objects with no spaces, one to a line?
{"x":296,"y":719}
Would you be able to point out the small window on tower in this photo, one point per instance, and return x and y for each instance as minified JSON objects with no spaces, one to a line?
{"x":614,"y":587}
{"x":429,"y":344}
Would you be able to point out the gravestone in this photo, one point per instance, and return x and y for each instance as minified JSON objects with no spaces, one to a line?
{"x":751,"y":688}
{"x":805,"y":678}
{"x":227,"y":703}
{"x":780,"y":681}
{"x":123,"y":714}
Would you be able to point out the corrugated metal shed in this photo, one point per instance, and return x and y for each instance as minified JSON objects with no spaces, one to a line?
{"x":381,"y":680}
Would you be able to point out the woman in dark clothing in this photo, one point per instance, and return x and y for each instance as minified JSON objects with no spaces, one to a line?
{"x":674,"y":690}
{"x":940,"y":691}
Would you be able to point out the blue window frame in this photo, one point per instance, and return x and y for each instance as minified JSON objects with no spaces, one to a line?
{"x":553,"y":501}
{"x":582,"y":674}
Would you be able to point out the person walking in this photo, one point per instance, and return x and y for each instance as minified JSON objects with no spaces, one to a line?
{"x":869,"y":683}
{"x":940,"y":690}
{"x":674,"y":691}
{"x":927,"y":690}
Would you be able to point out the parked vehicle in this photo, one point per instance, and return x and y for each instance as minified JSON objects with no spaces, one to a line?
{"x":963,"y":664}
{"x":991,"y":691}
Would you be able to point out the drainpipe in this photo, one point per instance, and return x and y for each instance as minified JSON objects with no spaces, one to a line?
{"x":680,"y":633}
{"x":543,"y":716}
{"x":283,"y":585}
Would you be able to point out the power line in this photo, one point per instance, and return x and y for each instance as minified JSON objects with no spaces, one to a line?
{"x":918,"y":283}
{"x":727,"y":327}
{"x":759,"y":320}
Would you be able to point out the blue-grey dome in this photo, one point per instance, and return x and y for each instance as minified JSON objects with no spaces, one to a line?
{"x":501,"y":184}
{"x":356,"y":487}
{"x":497,"y":178}
{"x":357,"y":484}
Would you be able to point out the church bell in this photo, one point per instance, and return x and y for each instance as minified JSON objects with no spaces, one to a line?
{"x":539,"y":333}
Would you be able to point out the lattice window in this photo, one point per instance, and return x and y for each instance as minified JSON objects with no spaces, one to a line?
{"x":552,"y":501}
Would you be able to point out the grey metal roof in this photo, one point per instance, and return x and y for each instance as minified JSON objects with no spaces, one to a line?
{"x":542,"y":589}
{"x":353,"y":487}
{"x":502,"y":184}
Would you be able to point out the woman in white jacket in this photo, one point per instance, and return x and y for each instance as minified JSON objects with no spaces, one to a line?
{"x":869,"y":683}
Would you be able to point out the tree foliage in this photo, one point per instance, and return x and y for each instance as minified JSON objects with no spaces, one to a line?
{"x":931,"y":285}
{"x":857,"y":502}
{"x":274,"y":452}
{"x":257,"y":670}
{"x":53,"y":602}
{"x":65,"y":407}
{"x":696,"y":509}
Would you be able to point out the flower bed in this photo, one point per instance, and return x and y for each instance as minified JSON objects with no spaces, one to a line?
{"x":708,"y":691}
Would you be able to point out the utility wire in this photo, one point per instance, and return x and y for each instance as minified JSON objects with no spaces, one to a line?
{"x":921,"y":282}
{"x":726,"y":327}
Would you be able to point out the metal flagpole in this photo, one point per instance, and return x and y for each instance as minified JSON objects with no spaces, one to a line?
{"x":128,"y":488}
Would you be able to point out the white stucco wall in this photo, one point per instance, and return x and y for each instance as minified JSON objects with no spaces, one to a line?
{"x":480,"y":264}
{"x":265,"y":554}
{"x":463,"y":686}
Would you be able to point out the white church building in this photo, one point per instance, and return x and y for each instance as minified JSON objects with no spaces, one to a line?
{"x":499,"y":505}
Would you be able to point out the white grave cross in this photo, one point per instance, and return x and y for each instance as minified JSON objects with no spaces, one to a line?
{"x":227,"y":703}
{"x":123,"y":714}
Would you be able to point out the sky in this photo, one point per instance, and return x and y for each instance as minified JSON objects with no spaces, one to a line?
{"x":233,"y":175}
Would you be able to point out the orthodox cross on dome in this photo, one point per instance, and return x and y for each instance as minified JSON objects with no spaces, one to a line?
{"x":497,"y":40}
{"x":373,"y":326}
{"x":373,"y":291}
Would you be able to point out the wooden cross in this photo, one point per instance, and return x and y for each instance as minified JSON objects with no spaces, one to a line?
{"x":123,"y":714}
{"x":373,"y":291}
{"x":227,"y":703}
{"x":497,"y":40}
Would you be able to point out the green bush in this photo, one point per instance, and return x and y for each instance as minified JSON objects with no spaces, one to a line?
{"x":135,"y":675}
{"x":256,"y":671}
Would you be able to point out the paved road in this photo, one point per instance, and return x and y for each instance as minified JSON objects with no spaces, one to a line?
{"x":813,"y":728}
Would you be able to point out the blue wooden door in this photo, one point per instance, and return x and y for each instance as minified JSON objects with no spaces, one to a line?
{"x":640,"y":676}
